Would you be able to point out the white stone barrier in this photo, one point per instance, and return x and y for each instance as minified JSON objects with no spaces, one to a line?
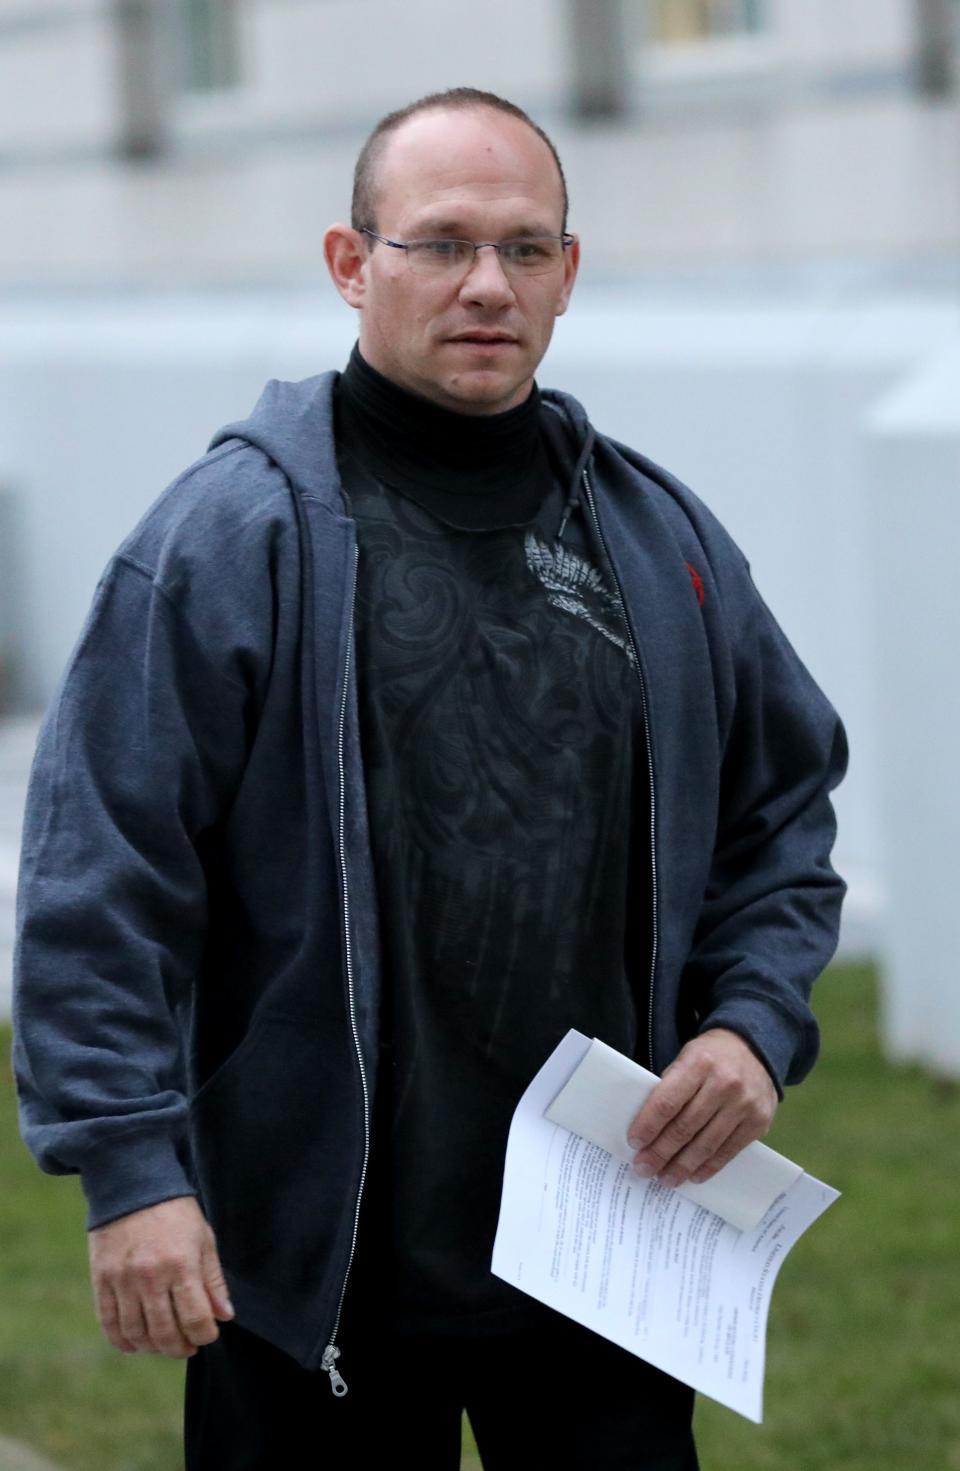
{"x":912,"y":457}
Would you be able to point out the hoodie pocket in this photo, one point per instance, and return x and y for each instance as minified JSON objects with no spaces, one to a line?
{"x":277,"y":1139}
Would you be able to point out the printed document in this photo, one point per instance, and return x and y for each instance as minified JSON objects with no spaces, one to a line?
{"x":681,"y":1277}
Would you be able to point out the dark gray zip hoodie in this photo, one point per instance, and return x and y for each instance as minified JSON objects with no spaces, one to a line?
{"x":196,"y":974}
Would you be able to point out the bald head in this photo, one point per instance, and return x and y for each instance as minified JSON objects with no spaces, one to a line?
{"x":368,"y":174}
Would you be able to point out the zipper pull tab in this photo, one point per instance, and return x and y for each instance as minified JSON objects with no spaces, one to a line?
{"x":337,"y":1382}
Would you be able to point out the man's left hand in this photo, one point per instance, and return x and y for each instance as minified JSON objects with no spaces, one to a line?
{"x":713,"y":1099}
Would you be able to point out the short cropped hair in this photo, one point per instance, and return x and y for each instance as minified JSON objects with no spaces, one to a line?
{"x":363,"y":214}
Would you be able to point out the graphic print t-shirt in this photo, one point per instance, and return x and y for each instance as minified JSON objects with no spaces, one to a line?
{"x":501,"y":727}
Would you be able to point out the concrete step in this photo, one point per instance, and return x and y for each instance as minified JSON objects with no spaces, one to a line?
{"x":15,"y":1456}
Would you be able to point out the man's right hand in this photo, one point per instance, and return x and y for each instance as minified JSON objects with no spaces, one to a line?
{"x":157,"y":1280}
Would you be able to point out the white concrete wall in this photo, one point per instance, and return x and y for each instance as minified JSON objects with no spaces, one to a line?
{"x":99,"y":410}
{"x":17,"y":741}
{"x":760,"y":410}
{"x":912,"y":449}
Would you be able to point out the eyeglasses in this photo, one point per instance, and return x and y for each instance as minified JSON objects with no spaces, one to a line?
{"x":533,"y":255}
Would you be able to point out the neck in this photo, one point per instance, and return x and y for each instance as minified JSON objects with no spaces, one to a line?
{"x":458,"y":439}
{"x":476,"y":466}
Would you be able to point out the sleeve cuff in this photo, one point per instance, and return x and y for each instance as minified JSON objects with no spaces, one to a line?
{"x":130,"y":1175}
{"x":771,"y":1035}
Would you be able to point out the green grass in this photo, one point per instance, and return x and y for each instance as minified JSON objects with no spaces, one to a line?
{"x":864,"y":1334}
{"x":862,"y":1348}
{"x":63,"y":1388}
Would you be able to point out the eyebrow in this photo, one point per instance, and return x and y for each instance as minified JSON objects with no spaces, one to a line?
{"x":456,"y":229}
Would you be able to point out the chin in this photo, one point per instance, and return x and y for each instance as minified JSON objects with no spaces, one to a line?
{"x":483,"y":393}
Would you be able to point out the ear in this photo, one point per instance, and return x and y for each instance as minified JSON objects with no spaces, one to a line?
{"x":571,"y":264}
{"x":345,"y":252}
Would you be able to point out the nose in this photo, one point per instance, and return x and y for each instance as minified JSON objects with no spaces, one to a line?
{"x":486,"y":281}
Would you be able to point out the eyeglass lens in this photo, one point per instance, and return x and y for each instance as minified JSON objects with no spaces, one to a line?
{"x":529,"y":257}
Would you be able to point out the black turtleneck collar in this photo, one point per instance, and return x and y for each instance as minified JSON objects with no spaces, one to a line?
{"x":473,"y":471}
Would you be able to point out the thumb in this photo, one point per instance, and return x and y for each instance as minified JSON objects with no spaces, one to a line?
{"x":215,"y":1282}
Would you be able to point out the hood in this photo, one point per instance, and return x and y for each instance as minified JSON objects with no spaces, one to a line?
{"x":292,"y":423}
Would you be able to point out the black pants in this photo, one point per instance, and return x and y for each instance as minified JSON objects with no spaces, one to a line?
{"x":555,"y":1394}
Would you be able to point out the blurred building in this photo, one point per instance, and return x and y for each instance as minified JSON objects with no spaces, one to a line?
{"x":212,"y":140}
{"x":768,"y":194}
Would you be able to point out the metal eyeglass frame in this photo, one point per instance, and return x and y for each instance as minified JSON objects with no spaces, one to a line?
{"x":565,"y":240}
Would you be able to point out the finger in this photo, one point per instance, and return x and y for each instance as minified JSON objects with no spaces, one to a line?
{"x":133,"y":1325}
{"x":731,"y":1147}
{"x":214,"y":1281}
{"x":108,"y":1314}
{"x":194,"y":1315}
{"x":675,"y":1089}
{"x":731,"y":1111}
{"x":679,"y":1135}
{"x":701,"y":1150}
{"x":164,"y":1330}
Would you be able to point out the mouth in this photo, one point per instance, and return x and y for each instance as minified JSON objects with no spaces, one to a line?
{"x":485,"y":339}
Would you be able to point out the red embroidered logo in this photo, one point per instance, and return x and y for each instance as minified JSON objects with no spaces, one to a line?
{"x":697,"y":581}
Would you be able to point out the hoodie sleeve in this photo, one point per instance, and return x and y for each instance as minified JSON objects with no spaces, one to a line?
{"x":770,"y":916}
{"x":137,"y":756}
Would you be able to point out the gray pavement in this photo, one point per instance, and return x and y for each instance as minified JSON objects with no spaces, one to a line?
{"x":17,"y":740}
{"x":14,"y":1456}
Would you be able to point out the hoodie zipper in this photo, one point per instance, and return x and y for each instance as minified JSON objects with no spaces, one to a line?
{"x":331,"y":1353}
{"x":649,"y":745}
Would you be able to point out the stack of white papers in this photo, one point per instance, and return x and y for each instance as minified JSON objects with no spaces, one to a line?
{"x":681,"y":1276}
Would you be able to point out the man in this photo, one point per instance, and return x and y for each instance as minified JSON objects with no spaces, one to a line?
{"x":414,"y":724}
